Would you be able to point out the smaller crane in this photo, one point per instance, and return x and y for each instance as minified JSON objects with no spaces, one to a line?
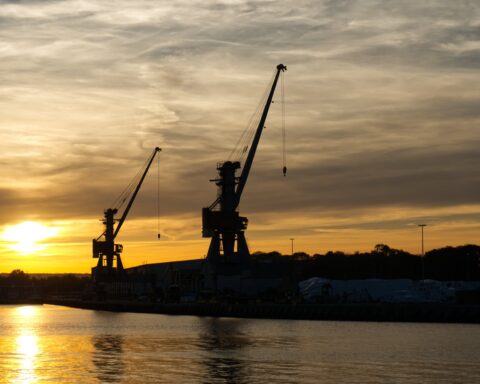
{"x":106,"y":251}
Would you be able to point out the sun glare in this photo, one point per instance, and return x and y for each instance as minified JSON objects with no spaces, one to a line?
{"x":24,"y":238}
{"x":27,"y":311}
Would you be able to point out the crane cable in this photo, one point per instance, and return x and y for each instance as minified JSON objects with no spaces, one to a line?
{"x":158,"y":197}
{"x":241,"y":147}
{"x":122,"y":198}
{"x":126,"y":192}
{"x":284,"y":135}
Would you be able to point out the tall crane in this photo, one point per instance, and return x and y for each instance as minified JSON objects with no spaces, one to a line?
{"x":221,"y":220}
{"x":106,"y":251}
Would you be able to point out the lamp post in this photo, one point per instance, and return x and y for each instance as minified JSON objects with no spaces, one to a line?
{"x":423,"y":253}
{"x":291,"y":239}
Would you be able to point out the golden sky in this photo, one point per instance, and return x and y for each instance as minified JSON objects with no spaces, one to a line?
{"x":381,"y":110}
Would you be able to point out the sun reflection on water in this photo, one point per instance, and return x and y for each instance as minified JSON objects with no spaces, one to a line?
{"x":27,"y":345}
{"x":26,"y":311}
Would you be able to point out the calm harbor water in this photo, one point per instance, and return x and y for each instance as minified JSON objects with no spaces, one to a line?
{"x":50,"y":344}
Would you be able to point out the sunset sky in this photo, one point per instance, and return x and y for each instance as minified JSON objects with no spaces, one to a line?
{"x":382,"y":119}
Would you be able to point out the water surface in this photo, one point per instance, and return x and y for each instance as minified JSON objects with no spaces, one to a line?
{"x":50,"y":344}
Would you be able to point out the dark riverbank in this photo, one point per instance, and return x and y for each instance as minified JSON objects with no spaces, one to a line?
{"x":433,"y":313}
{"x":21,"y":302}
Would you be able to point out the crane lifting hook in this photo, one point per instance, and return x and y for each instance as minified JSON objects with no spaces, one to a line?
{"x":284,"y":171}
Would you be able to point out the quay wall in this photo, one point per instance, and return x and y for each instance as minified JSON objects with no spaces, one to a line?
{"x":391,"y":312}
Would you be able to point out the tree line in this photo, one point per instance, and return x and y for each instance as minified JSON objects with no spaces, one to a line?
{"x":384,"y":262}
{"x":460,"y":263}
{"x":25,"y":285}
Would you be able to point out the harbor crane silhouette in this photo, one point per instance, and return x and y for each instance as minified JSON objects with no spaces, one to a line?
{"x":107,"y":251}
{"x":221,"y":220}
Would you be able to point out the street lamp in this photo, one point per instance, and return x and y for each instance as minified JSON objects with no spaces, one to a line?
{"x":291,"y":239}
{"x":423,"y":253}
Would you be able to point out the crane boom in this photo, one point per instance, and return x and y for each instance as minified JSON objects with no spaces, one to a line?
{"x":253,"y":148}
{"x":132,"y":199}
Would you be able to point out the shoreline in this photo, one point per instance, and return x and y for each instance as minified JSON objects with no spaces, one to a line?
{"x":23,"y":302}
{"x":379,"y":312}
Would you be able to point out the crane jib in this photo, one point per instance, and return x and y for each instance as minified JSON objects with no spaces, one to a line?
{"x":253,"y":147}
{"x":132,"y":199}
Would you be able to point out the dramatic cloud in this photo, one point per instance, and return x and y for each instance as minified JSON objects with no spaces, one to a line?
{"x":382,"y":115}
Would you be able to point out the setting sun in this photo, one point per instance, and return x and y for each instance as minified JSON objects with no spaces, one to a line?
{"x":24,"y":238}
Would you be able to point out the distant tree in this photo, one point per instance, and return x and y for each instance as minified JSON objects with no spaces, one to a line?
{"x":453,"y":263}
{"x":59,"y":284}
{"x":385,"y":250}
{"x":17,"y":276}
{"x":335,"y":254}
{"x":266,"y":257}
{"x":382,"y":249}
{"x":384,"y":262}
{"x":274,"y":254}
{"x":299,"y":256}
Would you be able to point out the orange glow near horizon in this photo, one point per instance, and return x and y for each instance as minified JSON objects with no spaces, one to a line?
{"x":69,"y":250}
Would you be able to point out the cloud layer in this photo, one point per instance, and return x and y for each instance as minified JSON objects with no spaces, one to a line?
{"x":382,"y":108}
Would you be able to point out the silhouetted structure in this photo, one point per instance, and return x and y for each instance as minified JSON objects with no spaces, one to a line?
{"x":221,"y":220}
{"x":108,"y":253}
